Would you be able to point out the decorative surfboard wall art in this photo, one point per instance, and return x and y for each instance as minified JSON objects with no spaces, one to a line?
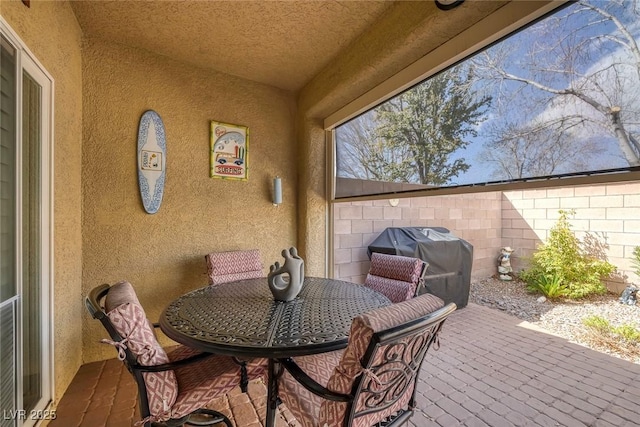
{"x":152,"y":160}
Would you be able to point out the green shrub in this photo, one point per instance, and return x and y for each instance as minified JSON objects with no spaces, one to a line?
{"x":601,"y":326}
{"x":627,"y":333}
{"x":636,"y":260}
{"x":549,"y":285}
{"x":563,"y":259}
{"x":597,"y":323}
{"x":600,"y":334}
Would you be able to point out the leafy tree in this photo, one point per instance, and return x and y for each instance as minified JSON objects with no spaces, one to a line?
{"x":411,"y":137}
{"x":363,"y":154}
{"x":432,"y":121}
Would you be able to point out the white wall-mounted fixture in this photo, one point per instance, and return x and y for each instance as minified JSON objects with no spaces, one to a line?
{"x":277,"y":191}
{"x":394,"y":202}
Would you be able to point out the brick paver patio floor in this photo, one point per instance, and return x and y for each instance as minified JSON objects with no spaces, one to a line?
{"x":495,"y":370}
{"x":491,"y":370}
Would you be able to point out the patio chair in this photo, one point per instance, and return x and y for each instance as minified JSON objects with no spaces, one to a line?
{"x":171,"y":387}
{"x":224,"y":267}
{"x":372,"y":381}
{"x":397,"y":277}
{"x":229,"y":266}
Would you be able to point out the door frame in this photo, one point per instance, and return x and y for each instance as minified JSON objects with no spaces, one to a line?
{"x":27,"y":62}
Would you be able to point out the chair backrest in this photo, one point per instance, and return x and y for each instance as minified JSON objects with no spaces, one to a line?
{"x":395,"y":276}
{"x":382,"y":361}
{"x":132,"y":334}
{"x":224,"y":267}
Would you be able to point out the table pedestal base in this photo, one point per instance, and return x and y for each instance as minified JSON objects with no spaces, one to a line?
{"x":275,"y":370}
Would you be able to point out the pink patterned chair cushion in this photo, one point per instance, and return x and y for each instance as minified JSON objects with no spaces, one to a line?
{"x":394,"y":276}
{"x":312,"y":411}
{"x":171,"y":394}
{"x":130,"y":321}
{"x":224,"y":267}
{"x":301,"y":402}
{"x":395,"y":290}
{"x":200,"y":383}
{"x":120,"y":293}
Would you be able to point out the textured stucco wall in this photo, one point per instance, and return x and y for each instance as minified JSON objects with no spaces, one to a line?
{"x":407,"y":32}
{"x":51,"y":32}
{"x":162,"y":254}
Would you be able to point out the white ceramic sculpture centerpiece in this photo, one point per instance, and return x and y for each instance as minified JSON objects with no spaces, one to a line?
{"x":285,"y":281}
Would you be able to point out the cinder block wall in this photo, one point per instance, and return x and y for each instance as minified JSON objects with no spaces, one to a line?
{"x":475,"y":218}
{"x":606,"y":215}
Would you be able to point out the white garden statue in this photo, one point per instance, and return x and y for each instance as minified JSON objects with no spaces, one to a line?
{"x":285,"y":281}
{"x":504,"y":264}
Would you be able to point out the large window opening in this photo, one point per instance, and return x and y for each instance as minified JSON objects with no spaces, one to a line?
{"x":557,"y":99}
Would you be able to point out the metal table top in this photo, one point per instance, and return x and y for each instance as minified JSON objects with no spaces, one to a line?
{"x":242,"y":318}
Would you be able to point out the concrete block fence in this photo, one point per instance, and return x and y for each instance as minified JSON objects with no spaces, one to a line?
{"x":607,"y":218}
{"x":475,"y":218}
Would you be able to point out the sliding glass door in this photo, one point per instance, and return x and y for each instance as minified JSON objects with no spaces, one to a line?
{"x":25,"y":235}
{"x":9,"y":298}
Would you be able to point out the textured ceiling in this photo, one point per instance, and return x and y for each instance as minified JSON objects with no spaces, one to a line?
{"x":279,"y":43}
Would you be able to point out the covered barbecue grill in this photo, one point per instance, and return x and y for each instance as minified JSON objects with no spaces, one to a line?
{"x":448,"y":275}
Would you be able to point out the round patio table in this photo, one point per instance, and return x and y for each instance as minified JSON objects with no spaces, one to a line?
{"x":242,"y":319}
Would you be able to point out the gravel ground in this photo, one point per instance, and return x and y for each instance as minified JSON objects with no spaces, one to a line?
{"x":562,"y":317}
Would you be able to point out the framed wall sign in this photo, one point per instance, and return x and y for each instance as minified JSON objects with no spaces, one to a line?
{"x":229,"y":151}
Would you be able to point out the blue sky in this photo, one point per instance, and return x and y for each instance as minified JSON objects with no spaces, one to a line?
{"x":601,"y":57}
{"x":543,"y":45}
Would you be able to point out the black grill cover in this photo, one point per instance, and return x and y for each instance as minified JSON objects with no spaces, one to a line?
{"x":450,"y":259}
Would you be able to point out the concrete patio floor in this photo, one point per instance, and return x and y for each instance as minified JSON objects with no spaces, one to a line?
{"x":492,"y":369}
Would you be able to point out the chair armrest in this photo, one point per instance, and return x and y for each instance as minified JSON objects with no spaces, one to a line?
{"x":310,"y":384}
{"x":172,"y":365}
{"x":423,"y":275}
